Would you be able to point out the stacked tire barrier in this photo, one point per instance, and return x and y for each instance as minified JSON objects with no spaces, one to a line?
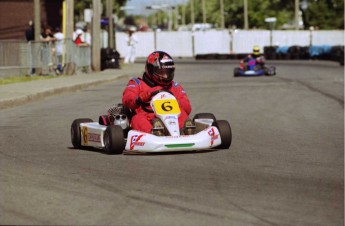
{"x":110,"y":58}
{"x":321,"y":52}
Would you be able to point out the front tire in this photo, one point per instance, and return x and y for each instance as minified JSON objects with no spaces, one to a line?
{"x":225,"y":133}
{"x":237,"y":71}
{"x":114,"y":142}
{"x":204,"y":115}
{"x":75,"y":131}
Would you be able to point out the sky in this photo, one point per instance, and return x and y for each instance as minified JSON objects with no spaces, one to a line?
{"x":140,"y":5}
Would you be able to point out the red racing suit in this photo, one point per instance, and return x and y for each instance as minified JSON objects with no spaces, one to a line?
{"x":142,"y":120}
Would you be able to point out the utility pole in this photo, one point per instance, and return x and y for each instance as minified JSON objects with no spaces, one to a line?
{"x":203,"y":12}
{"x":192,"y":12}
{"x":184,"y":15}
{"x":246,"y":25}
{"x":37,"y":20}
{"x":111,"y":23}
{"x":67,"y":29}
{"x":96,"y":30}
{"x":297,"y":14}
{"x":69,"y":26}
{"x":177,"y":16}
{"x":222,"y":14}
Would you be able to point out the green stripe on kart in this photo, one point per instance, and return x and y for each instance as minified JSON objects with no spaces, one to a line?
{"x":179,"y":145}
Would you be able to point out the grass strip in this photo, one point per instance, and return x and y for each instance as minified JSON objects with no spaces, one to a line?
{"x":17,"y":79}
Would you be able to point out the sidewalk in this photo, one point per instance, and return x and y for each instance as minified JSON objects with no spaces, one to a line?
{"x":20,"y":93}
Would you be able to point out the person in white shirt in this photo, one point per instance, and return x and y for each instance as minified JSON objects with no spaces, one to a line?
{"x":59,"y":45}
{"x":132,"y":40}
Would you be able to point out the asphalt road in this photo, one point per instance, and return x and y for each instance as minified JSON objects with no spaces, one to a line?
{"x":284,"y":167}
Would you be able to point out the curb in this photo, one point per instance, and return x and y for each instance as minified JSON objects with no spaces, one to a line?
{"x":23,"y":98}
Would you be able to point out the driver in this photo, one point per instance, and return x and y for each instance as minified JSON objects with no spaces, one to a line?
{"x":158,"y":75}
{"x":259,"y":58}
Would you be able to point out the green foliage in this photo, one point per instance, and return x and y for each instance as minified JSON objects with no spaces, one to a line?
{"x":80,"y":5}
{"x":325,"y":14}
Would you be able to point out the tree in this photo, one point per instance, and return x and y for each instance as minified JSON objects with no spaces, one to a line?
{"x":80,"y":5}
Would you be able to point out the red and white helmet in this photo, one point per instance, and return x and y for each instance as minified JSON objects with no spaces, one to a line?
{"x":160,"y":68}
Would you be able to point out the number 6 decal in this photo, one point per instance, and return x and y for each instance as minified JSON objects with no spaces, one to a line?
{"x":167,"y":107}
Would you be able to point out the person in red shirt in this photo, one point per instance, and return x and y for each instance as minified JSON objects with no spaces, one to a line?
{"x":78,"y":40}
{"x":158,"y":75}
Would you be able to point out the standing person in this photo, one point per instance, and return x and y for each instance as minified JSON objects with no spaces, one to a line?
{"x":59,"y":44}
{"x":30,"y":32}
{"x":30,"y":37}
{"x":158,"y":75}
{"x":48,"y":48}
{"x":132,"y":40}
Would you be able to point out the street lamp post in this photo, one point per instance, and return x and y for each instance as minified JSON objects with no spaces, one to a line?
{"x":111,"y":23}
{"x":271,"y":21}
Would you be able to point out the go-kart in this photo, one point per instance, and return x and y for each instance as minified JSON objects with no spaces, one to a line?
{"x":114,"y":134}
{"x":251,"y":68}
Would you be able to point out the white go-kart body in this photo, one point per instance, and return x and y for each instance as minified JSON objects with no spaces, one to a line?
{"x":210,"y":133}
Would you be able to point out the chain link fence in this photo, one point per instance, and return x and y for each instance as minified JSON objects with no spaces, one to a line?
{"x":43,"y":58}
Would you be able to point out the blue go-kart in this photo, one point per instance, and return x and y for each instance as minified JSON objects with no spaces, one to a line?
{"x":252,"y":68}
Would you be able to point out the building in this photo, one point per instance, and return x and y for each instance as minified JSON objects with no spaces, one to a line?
{"x":16,"y":14}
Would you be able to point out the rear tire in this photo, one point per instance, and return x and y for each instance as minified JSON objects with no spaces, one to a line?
{"x":270,"y":71}
{"x":225,"y":133}
{"x":114,"y":142}
{"x":75,"y":131}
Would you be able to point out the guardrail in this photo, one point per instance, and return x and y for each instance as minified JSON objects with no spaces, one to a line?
{"x":42,"y":58}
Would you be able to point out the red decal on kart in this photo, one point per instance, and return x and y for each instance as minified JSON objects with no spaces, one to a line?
{"x":212,"y":135}
{"x":135,"y":141}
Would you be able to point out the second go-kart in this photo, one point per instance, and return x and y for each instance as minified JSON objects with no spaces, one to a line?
{"x":251,"y":68}
{"x":116,"y":135}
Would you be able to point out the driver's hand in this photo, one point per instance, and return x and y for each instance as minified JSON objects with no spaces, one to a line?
{"x":143,"y":97}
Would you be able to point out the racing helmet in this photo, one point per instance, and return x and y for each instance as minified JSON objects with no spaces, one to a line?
{"x":256,"y":50}
{"x":160,"y":68}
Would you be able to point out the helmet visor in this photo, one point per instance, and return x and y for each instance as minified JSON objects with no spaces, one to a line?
{"x":164,"y":73}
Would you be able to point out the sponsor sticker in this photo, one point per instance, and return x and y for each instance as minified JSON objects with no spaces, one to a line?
{"x":135,"y":141}
{"x":93,"y":137}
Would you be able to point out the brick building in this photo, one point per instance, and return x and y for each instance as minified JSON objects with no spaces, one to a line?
{"x":15,"y":15}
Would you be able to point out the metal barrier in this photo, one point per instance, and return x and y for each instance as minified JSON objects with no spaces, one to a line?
{"x":43,"y":58}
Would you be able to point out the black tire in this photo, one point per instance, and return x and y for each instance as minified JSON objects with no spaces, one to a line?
{"x":225,"y":133}
{"x":270,"y":71}
{"x":114,"y":142}
{"x":204,"y":115}
{"x":75,"y":131}
{"x":237,"y":72}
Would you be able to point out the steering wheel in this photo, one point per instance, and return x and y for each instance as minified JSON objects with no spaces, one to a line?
{"x":153,"y":93}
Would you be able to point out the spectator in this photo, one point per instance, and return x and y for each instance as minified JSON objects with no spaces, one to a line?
{"x":132,"y":40}
{"x":30,"y":37}
{"x":30,"y":32}
{"x":59,"y":44}
{"x":48,"y":48}
{"x":47,"y":35}
{"x":79,"y":40}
